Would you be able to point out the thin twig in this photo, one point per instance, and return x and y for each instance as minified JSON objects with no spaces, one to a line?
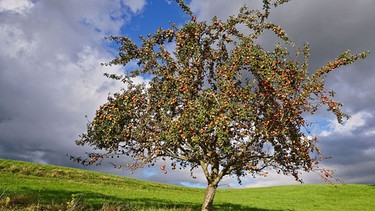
{"x":3,"y":192}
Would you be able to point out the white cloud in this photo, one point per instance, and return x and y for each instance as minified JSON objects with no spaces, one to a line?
{"x":16,"y":6}
{"x":135,"y":6}
{"x":14,"y":41}
{"x":330,"y":27}
{"x":348,"y":127}
{"x":51,"y":76}
{"x":169,"y":1}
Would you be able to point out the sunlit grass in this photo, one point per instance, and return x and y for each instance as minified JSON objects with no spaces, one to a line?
{"x":44,"y":187}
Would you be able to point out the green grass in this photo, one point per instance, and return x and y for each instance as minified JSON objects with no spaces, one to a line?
{"x":28,"y":186}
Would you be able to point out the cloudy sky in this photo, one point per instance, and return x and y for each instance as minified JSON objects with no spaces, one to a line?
{"x":51,"y":77}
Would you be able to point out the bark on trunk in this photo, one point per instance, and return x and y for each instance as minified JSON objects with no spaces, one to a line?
{"x":209,"y":197}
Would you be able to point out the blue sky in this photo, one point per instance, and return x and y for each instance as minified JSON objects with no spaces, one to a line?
{"x":51,"y":77}
{"x":155,"y":14}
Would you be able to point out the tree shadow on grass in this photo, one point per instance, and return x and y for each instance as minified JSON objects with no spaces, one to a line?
{"x":238,"y":207}
{"x":95,"y":201}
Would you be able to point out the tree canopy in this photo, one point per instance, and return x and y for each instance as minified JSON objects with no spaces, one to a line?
{"x":219,"y":101}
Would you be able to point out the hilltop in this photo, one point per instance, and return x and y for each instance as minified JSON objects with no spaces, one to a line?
{"x":31,"y":186}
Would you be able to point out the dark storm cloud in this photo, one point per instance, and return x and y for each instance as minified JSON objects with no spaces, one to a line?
{"x":330,"y":27}
{"x":50,"y":78}
{"x":50,"y":75}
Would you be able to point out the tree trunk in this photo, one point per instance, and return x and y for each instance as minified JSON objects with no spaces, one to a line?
{"x":209,"y":197}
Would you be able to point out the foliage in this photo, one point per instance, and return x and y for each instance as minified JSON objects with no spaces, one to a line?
{"x":219,"y":101}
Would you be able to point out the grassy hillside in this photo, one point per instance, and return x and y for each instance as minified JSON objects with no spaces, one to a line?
{"x":43,"y":187}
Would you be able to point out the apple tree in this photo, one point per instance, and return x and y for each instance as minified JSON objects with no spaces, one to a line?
{"x":218,"y":101}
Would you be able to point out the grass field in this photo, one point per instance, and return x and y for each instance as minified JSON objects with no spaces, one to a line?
{"x":28,"y":186}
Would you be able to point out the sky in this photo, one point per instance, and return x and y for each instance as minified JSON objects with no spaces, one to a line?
{"x":51,"y":77}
